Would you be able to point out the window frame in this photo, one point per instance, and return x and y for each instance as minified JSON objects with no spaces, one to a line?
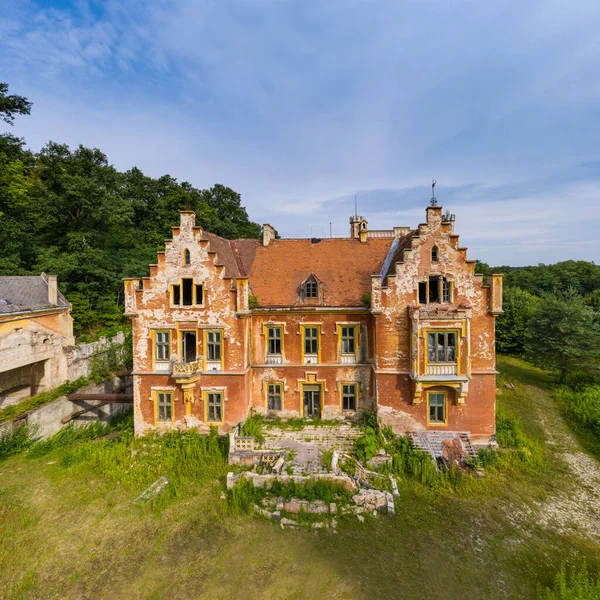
{"x":207,"y":404}
{"x":195,"y":287}
{"x":275,"y":339}
{"x":156,"y":344}
{"x":443,"y":283}
{"x":314,"y":286}
{"x":303,"y":328}
{"x":343,"y":393}
{"x":187,"y":257}
{"x":269,"y":394}
{"x":355,"y":338}
{"x":435,"y":253}
{"x":206,"y":343}
{"x":444,"y":332}
{"x":444,"y":407}
{"x":156,"y":400}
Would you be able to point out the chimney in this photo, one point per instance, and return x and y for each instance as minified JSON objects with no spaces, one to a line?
{"x":52,"y":290}
{"x":268,"y":234}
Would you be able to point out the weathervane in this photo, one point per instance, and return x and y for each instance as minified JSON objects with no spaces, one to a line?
{"x":433,"y":198}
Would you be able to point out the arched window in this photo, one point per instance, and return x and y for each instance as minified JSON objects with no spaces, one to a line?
{"x":186,"y":257}
{"x":311,"y":287}
{"x":434,"y":254}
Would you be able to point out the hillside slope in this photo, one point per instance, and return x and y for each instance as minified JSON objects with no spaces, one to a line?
{"x":66,"y":531}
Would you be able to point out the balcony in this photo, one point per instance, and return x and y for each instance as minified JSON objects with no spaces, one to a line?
{"x":188,"y":369}
{"x":441,"y":369}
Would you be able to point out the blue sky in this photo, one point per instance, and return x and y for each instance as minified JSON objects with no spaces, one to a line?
{"x":300,"y":105}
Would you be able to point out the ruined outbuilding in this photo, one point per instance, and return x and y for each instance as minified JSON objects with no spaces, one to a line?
{"x":319,"y":328}
{"x":35,"y":329}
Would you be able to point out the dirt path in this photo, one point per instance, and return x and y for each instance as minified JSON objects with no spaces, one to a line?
{"x":576,"y":507}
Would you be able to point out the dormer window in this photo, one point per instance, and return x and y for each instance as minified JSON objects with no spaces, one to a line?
{"x":186,"y":257}
{"x":434,"y":254}
{"x":311,"y":287}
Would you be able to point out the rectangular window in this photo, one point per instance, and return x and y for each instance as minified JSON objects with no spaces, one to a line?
{"x":311,"y":289}
{"x":188,"y":346}
{"x":213,"y":345}
{"x":434,"y":289}
{"x":446,"y":291}
{"x":274,"y":396}
{"x":422,"y":292}
{"x":348,"y":340}
{"x":164,"y":406}
{"x":311,"y":340}
{"x":437,"y":407}
{"x":176,"y":294}
{"x":441,"y":347}
{"x":215,"y":407}
{"x":188,"y":286}
{"x":162,"y":343}
{"x":349,"y":396}
{"x":199,"y":294}
{"x":274,"y":340}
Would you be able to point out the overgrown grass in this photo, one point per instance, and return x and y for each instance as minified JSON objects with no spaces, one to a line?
{"x":69,"y":387}
{"x":573,"y":584}
{"x":14,"y":441}
{"x":581,"y":407}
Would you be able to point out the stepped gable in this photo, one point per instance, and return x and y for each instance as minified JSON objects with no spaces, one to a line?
{"x":343,"y":265}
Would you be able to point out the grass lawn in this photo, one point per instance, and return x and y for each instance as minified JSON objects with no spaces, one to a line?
{"x":68,"y":528}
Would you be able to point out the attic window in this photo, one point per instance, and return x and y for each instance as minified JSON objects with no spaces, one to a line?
{"x":311,"y":288}
{"x":186,"y":257}
{"x":434,"y":254}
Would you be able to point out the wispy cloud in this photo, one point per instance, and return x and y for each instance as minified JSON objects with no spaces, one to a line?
{"x":300,"y":106}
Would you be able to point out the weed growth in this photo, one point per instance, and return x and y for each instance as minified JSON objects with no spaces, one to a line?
{"x":574,"y":584}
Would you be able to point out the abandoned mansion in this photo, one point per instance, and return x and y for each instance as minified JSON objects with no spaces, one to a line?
{"x":319,"y":328}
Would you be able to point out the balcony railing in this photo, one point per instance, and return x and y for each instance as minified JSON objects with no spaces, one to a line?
{"x":274,"y":359}
{"x":348,"y":359}
{"x":187,"y":369}
{"x":441,"y":369}
{"x":311,"y":359}
{"x":213,"y":365}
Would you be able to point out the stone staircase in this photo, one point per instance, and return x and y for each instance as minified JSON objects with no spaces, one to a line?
{"x":431,"y":441}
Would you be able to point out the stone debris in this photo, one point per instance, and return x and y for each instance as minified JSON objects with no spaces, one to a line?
{"x":509,"y":386}
{"x":152,"y":491}
{"x":371,"y":500}
{"x":394,"y":485}
{"x":288,"y":523}
{"x":391,"y":508}
{"x":360,"y":518}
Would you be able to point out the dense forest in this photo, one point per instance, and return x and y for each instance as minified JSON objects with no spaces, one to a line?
{"x":70,"y":213}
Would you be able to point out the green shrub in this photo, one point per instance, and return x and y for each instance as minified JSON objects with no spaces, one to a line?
{"x":576,"y":584}
{"x":16,"y":440}
{"x":581,"y":406}
{"x":365,"y":446}
{"x":253,"y":427}
{"x":508,"y":430}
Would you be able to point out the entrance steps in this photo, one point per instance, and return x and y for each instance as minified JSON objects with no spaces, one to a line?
{"x":432,"y":441}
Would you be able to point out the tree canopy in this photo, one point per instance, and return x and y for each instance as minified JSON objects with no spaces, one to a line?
{"x":69,"y":212}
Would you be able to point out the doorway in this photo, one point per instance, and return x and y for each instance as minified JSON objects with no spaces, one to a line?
{"x":188,"y":346}
{"x":312,"y":401}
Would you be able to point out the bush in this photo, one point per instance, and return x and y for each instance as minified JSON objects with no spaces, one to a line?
{"x":15,"y":440}
{"x":577,"y":584}
{"x":582,"y":407}
{"x":253,"y":427}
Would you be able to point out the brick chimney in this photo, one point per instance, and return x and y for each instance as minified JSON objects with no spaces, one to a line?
{"x":268,"y":234}
{"x":52,"y":290}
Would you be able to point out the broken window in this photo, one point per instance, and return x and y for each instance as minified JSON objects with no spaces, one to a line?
{"x":186,"y":257}
{"x":215,"y":407}
{"x":434,"y":254}
{"x":435,"y":289}
{"x":164,"y":406}
{"x":274,"y":340}
{"x":274,"y":396}
{"x":311,"y":340}
{"x":162,"y":342}
{"x":446,"y":291}
{"x":176,"y":294}
{"x":188,"y":286}
{"x":441,"y":346}
{"x":348,"y":340}
{"x":437,"y":407}
{"x":199,"y":294}
{"x":349,"y":396}
{"x":188,"y":346}
{"x":213,"y":345}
